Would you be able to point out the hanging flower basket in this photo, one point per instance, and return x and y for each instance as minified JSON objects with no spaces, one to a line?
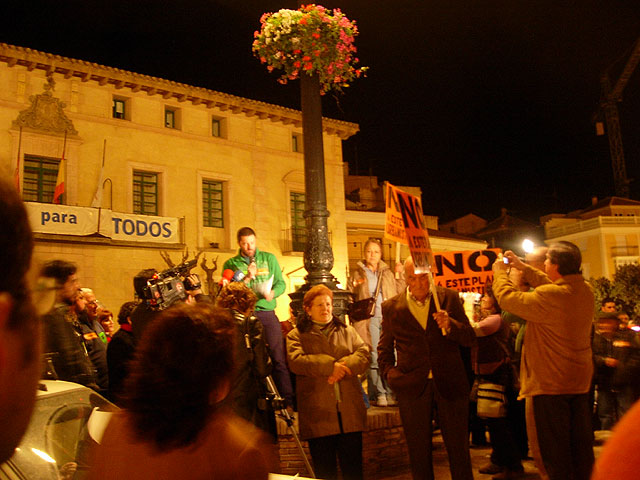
{"x":312,"y":39}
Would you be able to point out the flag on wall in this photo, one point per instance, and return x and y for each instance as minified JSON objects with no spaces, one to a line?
{"x":59,"y":190}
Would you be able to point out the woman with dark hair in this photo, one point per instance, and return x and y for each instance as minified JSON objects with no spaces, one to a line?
{"x":492,"y":364}
{"x":252,"y":362}
{"x":173,"y":425}
{"x":327,"y":355}
{"x":362,"y":284}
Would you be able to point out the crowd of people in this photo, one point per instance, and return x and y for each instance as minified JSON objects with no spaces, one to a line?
{"x":200,"y":382}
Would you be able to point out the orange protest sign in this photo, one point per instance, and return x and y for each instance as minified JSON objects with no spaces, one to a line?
{"x":405,"y":210}
{"x":466,"y":271}
{"x":394,"y":227}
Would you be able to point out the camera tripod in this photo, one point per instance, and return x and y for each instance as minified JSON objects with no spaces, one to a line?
{"x":279,"y":405}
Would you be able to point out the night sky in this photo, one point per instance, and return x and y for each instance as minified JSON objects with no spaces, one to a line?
{"x":484,"y":104}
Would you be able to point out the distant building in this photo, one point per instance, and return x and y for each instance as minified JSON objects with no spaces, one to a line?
{"x":185,"y":168}
{"x":466,"y":225}
{"x":607,"y":233}
{"x":508,"y":232}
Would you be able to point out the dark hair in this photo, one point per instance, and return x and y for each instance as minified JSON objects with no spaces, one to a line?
{"x":104,"y":314}
{"x":237,"y":296}
{"x":607,"y":300}
{"x":566,"y":256}
{"x":245,"y":232}
{"x":61,"y":270}
{"x":140,"y":281}
{"x":125,"y":311}
{"x":16,"y":247}
{"x":488,"y":291}
{"x":185,"y":354}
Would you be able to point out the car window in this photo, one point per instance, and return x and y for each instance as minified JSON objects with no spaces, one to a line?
{"x":57,"y":443}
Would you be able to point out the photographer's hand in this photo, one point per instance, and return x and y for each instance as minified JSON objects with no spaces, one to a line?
{"x":194,"y":280}
{"x":514,"y":260}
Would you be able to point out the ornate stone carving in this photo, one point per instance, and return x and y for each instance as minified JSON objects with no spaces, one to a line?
{"x":46,"y":113}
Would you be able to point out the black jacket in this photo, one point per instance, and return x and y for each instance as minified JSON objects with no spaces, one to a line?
{"x":119,"y":353}
{"x":252,"y":366}
{"x":65,"y":346}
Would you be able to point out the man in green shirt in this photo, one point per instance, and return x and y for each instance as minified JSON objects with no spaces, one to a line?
{"x":261,"y":272}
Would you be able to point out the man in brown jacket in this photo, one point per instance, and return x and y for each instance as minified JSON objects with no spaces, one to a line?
{"x":429,"y":369}
{"x":556,"y":366}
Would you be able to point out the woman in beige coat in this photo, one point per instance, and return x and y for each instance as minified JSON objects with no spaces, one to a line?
{"x":363,"y":285}
{"x":327,"y":355}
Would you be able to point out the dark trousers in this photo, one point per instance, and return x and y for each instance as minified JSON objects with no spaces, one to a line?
{"x":273,"y":336}
{"x":453,"y":415}
{"x":345,"y":448}
{"x":504,"y":447}
{"x":563,"y":428}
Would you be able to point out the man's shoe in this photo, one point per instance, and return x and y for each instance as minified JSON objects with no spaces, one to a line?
{"x":491,"y":468}
{"x":391,"y":402}
{"x":508,"y":474}
{"x":381,"y":401}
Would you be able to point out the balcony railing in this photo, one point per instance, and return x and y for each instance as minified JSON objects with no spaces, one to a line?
{"x":592,"y":223}
{"x":295,"y":239}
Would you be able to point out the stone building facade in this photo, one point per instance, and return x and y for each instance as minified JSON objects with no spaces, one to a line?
{"x":151,"y":166}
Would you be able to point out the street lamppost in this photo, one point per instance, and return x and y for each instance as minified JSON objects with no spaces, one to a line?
{"x":318,"y":255}
{"x":315,"y":45}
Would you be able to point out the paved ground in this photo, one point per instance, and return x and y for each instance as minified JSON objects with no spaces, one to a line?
{"x":480,"y":457}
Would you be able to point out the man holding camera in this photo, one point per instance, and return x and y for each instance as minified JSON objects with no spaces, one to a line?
{"x":556,"y":366}
{"x":261,"y":272}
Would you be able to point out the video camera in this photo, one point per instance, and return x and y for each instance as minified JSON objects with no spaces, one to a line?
{"x":167,"y":287}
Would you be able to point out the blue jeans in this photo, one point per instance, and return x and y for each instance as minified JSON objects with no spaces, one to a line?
{"x":275,"y":341}
{"x":612,"y":406}
{"x":376,"y":384}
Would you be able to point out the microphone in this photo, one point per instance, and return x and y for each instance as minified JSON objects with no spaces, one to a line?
{"x":238,"y":276}
{"x":227,"y":275}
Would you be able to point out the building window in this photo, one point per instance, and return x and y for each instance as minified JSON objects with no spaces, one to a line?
{"x":212,"y":204}
{"x":298,"y":224}
{"x":216,"y":127}
{"x":296,"y":142}
{"x":145,"y":193}
{"x":39,"y":178}
{"x":169,"y":118}
{"x":119,"y":108}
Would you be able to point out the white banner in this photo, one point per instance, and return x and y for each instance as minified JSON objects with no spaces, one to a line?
{"x":82,"y":221}
{"x":143,"y":228}
{"x":62,"y":219}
